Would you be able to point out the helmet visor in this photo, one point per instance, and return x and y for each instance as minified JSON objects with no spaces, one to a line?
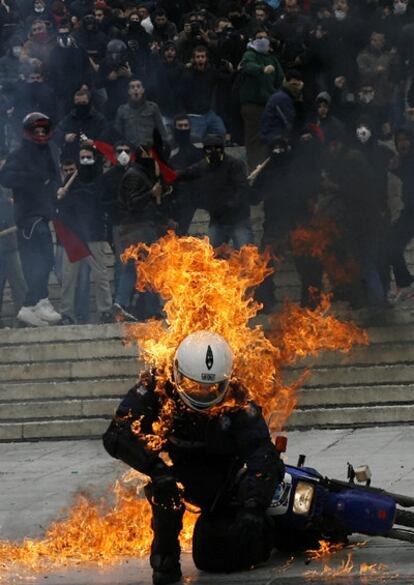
{"x":200,"y":396}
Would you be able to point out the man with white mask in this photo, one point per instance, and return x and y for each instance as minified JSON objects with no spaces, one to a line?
{"x":261,"y":75}
{"x":111,"y":182}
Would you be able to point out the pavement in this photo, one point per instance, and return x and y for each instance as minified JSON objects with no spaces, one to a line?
{"x":39,"y":479}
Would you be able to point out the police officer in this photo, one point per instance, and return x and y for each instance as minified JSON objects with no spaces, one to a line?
{"x":221,"y":453}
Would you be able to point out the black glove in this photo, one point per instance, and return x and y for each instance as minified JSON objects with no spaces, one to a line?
{"x":248,"y":536}
{"x":164,"y":489}
{"x":249,"y":521}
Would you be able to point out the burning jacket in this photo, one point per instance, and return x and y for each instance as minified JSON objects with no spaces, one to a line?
{"x":208,"y":451}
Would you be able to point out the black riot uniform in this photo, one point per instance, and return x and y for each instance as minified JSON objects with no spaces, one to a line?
{"x":227,"y":465}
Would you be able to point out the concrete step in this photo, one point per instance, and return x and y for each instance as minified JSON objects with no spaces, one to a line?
{"x":74,"y":351}
{"x":375,"y":354}
{"x":15,"y":392}
{"x":66,"y":370}
{"x":58,"y":408}
{"x":358,"y":375}
{"x":60,"y":334}
{"x":356,"y":395}
{"x":53,"y":429}
{"x":351,"y":416}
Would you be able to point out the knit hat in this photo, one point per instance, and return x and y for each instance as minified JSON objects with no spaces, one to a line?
{"x":323,"y":96}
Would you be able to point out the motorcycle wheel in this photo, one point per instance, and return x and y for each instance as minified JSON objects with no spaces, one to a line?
{"x":404,"y":518}
{"x":401,"y":534}
{"x":404,"y":501}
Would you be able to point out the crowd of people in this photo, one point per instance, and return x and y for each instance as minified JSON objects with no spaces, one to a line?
{"x":318,"y":94}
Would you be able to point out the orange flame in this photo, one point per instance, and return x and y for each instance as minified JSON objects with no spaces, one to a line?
{"x":326,"y":549}
{"x":346,"y":568}
{"x":93,"y":532}
{"x":318,"y":240}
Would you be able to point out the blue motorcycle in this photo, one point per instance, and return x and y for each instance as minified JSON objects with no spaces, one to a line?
{"x":308,"y":507}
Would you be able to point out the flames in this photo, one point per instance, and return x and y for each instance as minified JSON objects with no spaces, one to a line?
{"x":326,"y":549}
{"x":201,"y":289}
{"x":105,"y":532}
{"x":321,"y":240}
{"x":346,"y":568}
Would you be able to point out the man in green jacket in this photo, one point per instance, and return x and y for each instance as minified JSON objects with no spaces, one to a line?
{"x":261,"y":76}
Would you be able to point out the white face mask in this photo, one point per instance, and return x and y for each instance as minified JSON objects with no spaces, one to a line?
{"x":261,"y":45}
{"x":87,"y":162}
{"x":400,"y":7}
{"x":16,"y":51}
{"x":339,"y":14}
{"x":123,"y":158}
{"x":363,"y":134}
{"x":366,"y":98}
{"x":38,"y":8}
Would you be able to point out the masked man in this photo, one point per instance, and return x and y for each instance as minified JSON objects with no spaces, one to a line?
{"x":223,"y":457}
{"x":30,"y":172}
{"x":221,"y":182}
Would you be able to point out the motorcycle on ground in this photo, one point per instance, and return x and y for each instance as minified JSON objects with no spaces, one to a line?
{"x":308,"y":507}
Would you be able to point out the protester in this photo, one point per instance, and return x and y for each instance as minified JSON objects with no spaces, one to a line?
{"x":199,"y":84}
{"x":10,"y":267}
{"x":137,"y":119}
{"x":221,"y":182}
{"x":185,"y":199}
{"x":82,"y":211}
{"x":403,"y":230}
{"x":144,"y":215}
{"x":30,"y":172}
{"x":261,"y":76}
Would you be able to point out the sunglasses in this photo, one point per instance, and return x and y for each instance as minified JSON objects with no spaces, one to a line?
{"x":119,"y":150}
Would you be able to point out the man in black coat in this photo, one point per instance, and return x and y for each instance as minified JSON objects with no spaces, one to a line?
{"x":30,"y":171}
{"x":185,"y":199}
{"x":221,"y":181}
{"x":143,"y":214}
{"x":69,"y":68}
{"x":83,"y":123}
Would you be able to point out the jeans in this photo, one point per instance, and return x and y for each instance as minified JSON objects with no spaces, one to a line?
{"x":240,"y":234}
{"x":368,"y":256}
{"x":70,"y":272}
{"x":36,"y":256}
{"x":11,"y":272}
{"x":402,"y":233}
{"x":83,"y":286}
{"x":209,"y":123}
{"x":148,"y":304}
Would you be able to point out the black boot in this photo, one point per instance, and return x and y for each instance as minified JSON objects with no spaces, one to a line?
{"x":166,"y":569}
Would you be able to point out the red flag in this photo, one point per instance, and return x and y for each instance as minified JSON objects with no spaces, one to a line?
{"x":317,"y":131}
{"x":167,"y":173}
{"x":106,"y":149}
{"x":74,"y":247}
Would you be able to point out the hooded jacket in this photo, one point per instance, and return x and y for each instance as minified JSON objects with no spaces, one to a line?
{"x":256,"y":87}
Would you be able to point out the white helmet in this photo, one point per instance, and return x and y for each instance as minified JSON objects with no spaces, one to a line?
{"x":202,"y":369}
